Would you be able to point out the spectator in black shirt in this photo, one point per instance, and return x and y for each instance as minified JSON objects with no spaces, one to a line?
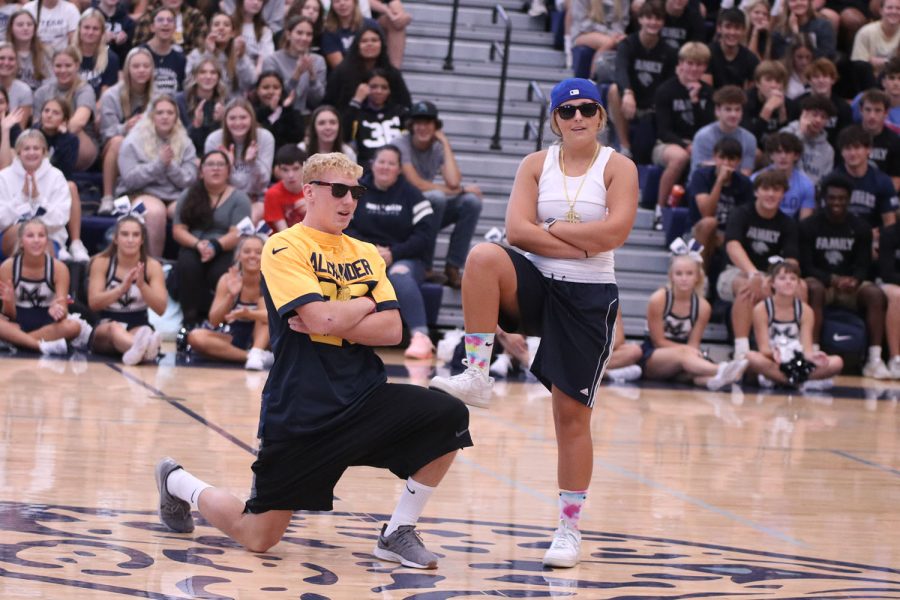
{"x":731,"y":63}
{"x":767,"y":109}
{"x":885,"y":152}
{"x":642,"y":64}
{"x":713,"y":192}
{"x":889,"y":269}
{"x":684,"y":23}
{"x":835,"y":255}
{"x":755,"y":233}
{"x":874,"y":197}
{"x":683,"y":105}
{"x":822,"y":75}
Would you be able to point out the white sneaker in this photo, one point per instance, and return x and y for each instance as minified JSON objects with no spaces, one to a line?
{"x":135,"y":354}
{"x":876,"y":369}
{"x":894,"y":367}
{"x":538,"y":9}
{"x":79,"y":252}
{"x":152,"y":351}
{"x":622,"y":374}
{"x":813,"y":385}
{"x":765,"y":382}
{"x":64,"y":255}
{"x":107,"y":206}
{"x":256,"y":360}
{"x":564,"y":550}
{"x":472,"y":387}
{"x":82,"y":341}
{"x":54,"y":347}
{"x":729,"y":372}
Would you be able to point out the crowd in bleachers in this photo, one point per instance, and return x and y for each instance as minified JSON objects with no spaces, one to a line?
{"x":183,"y":127}
{"x":772,"y":131}
{"x":194,"y":120}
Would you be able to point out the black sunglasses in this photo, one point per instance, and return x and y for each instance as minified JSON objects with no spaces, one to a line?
{"x":339,"y":190}
{"x":567,"y":111}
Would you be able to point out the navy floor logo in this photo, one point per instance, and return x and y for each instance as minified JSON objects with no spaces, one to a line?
{"x":128,"y":553}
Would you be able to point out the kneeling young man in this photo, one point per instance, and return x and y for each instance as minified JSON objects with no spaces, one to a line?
{"x":327,"y":405}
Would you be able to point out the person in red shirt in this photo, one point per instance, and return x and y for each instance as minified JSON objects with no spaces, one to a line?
{"x":284,"y":204}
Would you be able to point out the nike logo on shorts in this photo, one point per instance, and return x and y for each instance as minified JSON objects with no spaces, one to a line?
{"x":842,"y":338}
{"x":462,"y":433}
{"x":277,"y":250}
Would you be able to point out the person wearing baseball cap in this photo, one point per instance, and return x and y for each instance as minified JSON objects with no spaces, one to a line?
{"x":571,"y":206}
{"x":426,"y":153}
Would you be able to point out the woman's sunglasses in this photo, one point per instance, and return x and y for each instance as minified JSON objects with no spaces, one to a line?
{"x":567,"y":111}
{"x":339,"y":190}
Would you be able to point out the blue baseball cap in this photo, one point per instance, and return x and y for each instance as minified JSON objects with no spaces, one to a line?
{"x":573,"y":88}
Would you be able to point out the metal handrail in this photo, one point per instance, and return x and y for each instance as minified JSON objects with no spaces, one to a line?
{"x":448,"y":60}
{"x":534,"y":89}
{"x":499,"y":11}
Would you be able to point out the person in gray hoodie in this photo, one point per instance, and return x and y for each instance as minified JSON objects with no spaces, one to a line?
{"x":303,"y":71}
{"x":157,"y":161}
{"x":250,"y":150}
{"x":818,"y":155}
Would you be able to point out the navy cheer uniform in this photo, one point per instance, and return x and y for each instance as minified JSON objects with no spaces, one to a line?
{"x":33,"y":296}
{"x":129,"y":308}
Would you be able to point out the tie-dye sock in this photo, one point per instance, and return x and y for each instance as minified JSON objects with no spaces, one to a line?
{"x":478,"y":351}
{"x":570,"y":504}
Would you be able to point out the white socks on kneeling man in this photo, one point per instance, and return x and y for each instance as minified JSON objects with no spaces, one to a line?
{"x":185,"y":486}
{"x":410,"y":506}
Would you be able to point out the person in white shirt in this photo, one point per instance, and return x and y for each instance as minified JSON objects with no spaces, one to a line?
{"x":57,"y":21}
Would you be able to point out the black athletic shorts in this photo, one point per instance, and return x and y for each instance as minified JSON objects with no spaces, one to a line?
{"x":576,"y":323}
{"x":398,"y":427}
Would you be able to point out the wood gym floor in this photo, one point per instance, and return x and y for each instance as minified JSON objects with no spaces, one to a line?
{"x":695,"y":494}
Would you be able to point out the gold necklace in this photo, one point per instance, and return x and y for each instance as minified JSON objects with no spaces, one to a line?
{"x":572,"y":216}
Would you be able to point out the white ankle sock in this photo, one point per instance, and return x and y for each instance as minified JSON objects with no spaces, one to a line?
{"x":185,"y":486}
{"x":409,"y":507}
{"x":741,"y":347}
{"x":874,"y":353}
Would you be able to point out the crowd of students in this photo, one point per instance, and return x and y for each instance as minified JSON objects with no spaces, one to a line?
{"x":750,"y":109}
{"x":191,"y":122}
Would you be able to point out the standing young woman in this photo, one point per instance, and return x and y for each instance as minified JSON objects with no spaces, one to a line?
{"x":202,"y":103}
{"x":123,"y":284}
{"x":303,"y":71}
{"x":236,"y":70}
{"x":99,"y":67}
{"x":205,"y":226}
{"x":250,"y":150}
{"x":19,"y":95}
{"x":34,"y":59}
{"x":67,"y":84}
{"x":157,"y":161}
{"x":568,"y":211}
{"x":121,"y":107}
{"x":238,"y":304}
{"x":34,"y":288}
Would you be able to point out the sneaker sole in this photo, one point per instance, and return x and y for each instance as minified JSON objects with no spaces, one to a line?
{"x":467,"y":400}
{"x":559,"y":563}
{"x":389,"y":556}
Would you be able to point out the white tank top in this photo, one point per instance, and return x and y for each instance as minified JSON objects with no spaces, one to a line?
{"x":590,"y":205}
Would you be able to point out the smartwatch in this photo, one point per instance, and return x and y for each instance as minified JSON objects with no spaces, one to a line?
{"x":548,"y":223}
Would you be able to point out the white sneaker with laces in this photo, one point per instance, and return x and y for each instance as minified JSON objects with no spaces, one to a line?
{"x":622,"y":374}
{"x":876,"y":369}
{"x":894,"y":367}
{"x":729,"y":372}
{"x":255,"y":360}
{"x":54,"y":347}
{"x":84,"y":335}
{"x":566,"y":547}
{"x":107,"y":206}
{"x":471,"y":386}
{"x":64,"y":255}
{"x":135,"y":354}
{"x":79,"y":252}
{"x":153,"y":346}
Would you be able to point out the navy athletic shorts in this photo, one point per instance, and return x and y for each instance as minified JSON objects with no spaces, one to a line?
{"x":576,"y":323}
{"x":399,"y":427}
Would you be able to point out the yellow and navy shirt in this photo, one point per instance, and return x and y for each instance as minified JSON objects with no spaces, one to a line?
{"x":316,"y":379}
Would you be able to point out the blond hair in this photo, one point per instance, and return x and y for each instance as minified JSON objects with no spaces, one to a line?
{"x":701,"y":274}
{"x":695,"y":52}
{"x":319,"y":164}
{"x":101,"y":57}
{"x":150,"y":142}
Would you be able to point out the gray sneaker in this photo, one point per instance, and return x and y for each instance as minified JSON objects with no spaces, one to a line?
{"x":405,"y":547}
{"x":173,"y":512}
